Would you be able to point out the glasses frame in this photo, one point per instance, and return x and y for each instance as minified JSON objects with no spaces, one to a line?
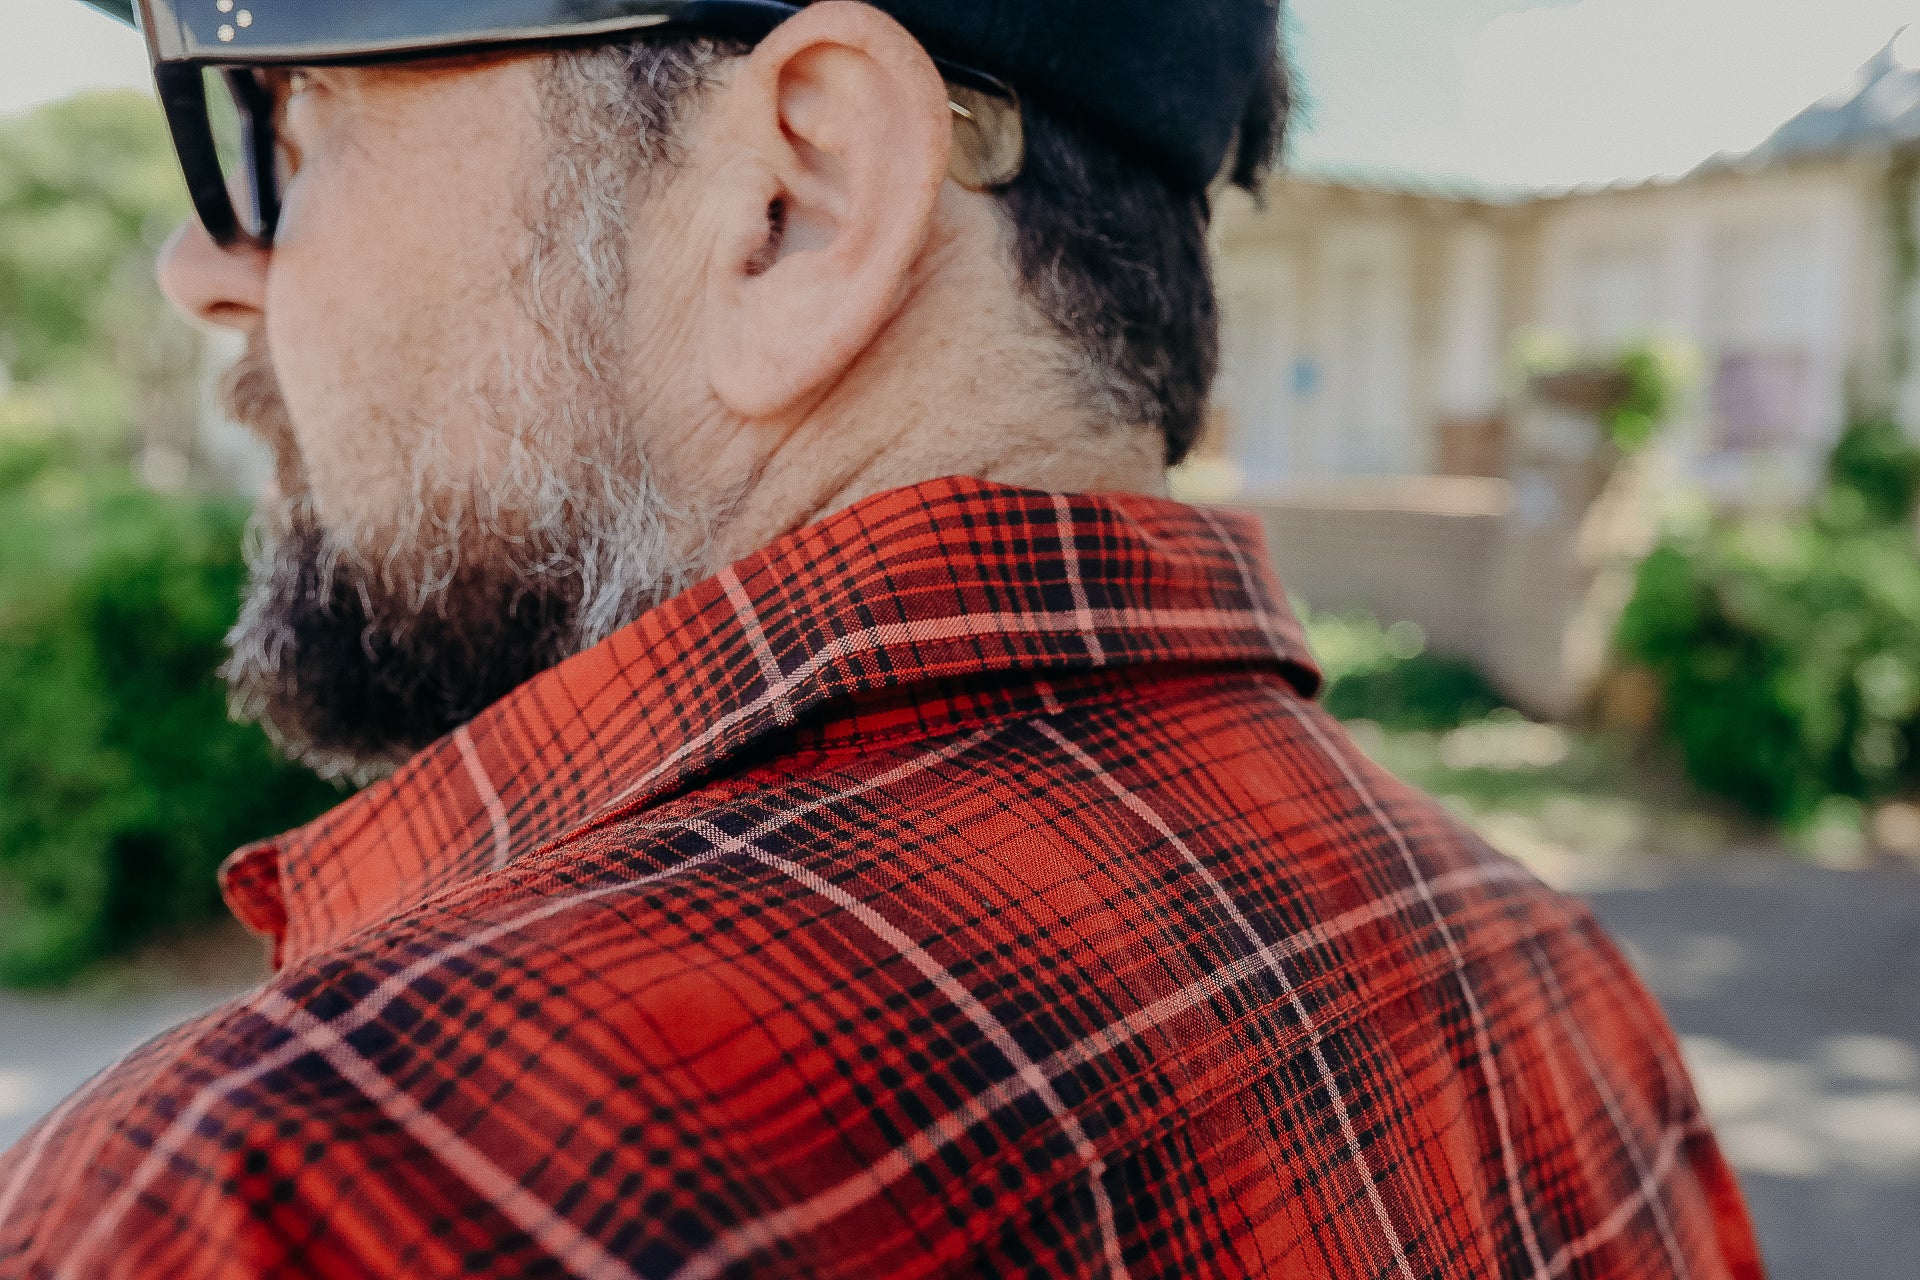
{"x":184,"y":45}
{"x":183,"y":98}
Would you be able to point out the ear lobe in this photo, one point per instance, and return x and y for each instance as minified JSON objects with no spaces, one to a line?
{"x":844,"y":122}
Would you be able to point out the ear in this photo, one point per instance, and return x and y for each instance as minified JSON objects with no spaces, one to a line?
{"x":839,"y":128}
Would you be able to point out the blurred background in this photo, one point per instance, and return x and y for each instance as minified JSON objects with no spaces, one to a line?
{"x":1573,"y":363}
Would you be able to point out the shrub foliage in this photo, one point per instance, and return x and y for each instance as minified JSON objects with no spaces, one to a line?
{"x":1387,"y":675}
{"x":1787,"y":650}
{"x":122,"y":781}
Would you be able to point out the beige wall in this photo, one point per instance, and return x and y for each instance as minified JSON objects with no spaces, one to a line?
{"x":1532,"y":602}
{"x":1354,"y":321}
{"x":1775,"y":277}
{"x":1396,"y":550}
{"x":1786,"y":268}
{"x":1780,"y":269}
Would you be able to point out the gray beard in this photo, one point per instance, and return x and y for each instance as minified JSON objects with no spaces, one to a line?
{"x":354,"y":662}
{"x":356,"y":647}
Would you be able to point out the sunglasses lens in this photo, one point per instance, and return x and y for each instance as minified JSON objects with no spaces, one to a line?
{"x":233,"y":142}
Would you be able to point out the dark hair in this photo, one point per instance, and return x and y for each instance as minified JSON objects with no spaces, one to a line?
{"x":1110,"y":254}
{"x":1117,"y":261}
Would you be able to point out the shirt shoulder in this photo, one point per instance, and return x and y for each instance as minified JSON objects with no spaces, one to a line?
{"x":882,"y":980}
{"x":587,"y":1021}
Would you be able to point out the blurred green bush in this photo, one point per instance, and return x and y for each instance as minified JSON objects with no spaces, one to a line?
{"x":1787,"y":649}
{"x":122,"y":781}
{"x":89,"y":190}
{"x":1386,"y":675}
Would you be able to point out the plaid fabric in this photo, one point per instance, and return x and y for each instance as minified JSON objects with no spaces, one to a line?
{"x":965,"y":885}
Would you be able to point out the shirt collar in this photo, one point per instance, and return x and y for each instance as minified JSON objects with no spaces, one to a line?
{"x":950,"y":578}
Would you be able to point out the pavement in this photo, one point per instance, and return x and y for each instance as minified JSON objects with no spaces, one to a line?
{"x":50,"y":1045}
{"x":1795,"y":989}
{"x":1796,"y":992}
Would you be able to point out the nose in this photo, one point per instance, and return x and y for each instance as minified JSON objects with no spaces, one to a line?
{"x":211,"y":285}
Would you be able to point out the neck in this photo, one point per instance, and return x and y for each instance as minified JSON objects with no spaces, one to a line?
{"x":799,"y":486}
{"x":954,"y":386}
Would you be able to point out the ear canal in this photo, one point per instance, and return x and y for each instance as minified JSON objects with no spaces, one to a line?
{"x":769,"y":251}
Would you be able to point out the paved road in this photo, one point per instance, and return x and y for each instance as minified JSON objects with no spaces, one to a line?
{"x":1795,"y":988}
{"x":1796,"y":991}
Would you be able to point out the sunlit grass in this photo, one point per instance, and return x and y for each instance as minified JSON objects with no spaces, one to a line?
{"x":1571,"y":803}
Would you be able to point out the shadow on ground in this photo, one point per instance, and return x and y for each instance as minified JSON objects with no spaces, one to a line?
{"x":1796,"y":991}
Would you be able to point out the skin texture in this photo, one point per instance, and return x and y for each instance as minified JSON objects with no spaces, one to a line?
{"x":778,"y":368}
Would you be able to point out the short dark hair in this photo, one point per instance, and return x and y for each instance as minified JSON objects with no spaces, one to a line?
{"x":1112,"y":255}
{"x":1116,"y":260}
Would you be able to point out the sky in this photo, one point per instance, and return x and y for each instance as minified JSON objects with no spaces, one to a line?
{"x":1565,"y":92}
{"x":1505,"y":92}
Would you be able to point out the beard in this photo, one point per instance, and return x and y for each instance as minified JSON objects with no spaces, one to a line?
{"x":348,"y":678}
{"x":357,"y":646}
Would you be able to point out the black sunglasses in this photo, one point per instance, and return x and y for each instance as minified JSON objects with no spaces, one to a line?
{"x":219,"y":66}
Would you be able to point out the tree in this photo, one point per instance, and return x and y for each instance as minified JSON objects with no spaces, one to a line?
{"x":122,"y":781}
{"x":89,"y":190}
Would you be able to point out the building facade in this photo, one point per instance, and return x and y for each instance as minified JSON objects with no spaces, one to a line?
{"x":1371,"y":326}
{"x":1374,"y":405}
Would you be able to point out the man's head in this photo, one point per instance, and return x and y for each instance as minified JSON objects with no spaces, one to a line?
{"x":543,"y":337}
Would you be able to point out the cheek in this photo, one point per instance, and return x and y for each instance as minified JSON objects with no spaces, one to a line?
{"x":388,"y":310}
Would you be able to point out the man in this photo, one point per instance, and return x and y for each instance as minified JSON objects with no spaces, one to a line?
{"x":835,"y":818}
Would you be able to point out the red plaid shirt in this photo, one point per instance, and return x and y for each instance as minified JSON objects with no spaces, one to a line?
{"x":963,"y":885}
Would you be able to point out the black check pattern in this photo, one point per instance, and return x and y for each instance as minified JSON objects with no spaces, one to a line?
{"x":965,"y":885}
